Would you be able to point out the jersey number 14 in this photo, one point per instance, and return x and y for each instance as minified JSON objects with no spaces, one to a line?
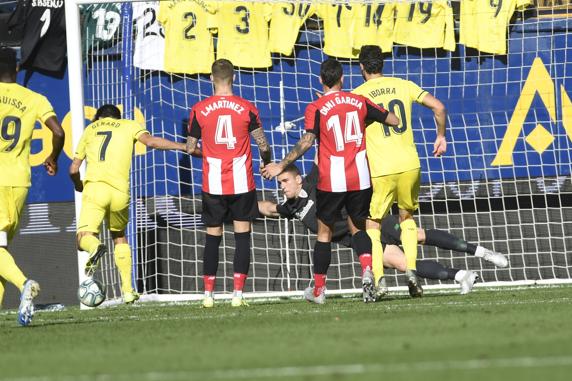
{"x":351,"y":132}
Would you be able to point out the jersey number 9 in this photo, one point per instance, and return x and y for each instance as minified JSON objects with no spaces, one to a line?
{"x":10,"y":131}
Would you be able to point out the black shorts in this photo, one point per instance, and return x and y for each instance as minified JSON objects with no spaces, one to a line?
{"x":240,"y":207}
{"x":329,"y":205}
{"x":390,"y":230}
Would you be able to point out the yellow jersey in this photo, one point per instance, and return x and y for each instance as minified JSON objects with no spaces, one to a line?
{"x":425,"y":25}
{"x":286,"y":20}
{"x":20,"y":108}
{"x":391,"y":150}
{"x":243,"y":33}
{"x":484,"y":23}
{"x":374,"y":25}
{"x":189,"y":46}
{"x":107,"y":145}
{"x":339,"y":21}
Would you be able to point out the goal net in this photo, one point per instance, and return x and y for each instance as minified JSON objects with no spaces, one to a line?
{"x":504,"y":182}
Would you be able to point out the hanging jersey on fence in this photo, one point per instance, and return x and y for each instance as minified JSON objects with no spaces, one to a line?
{"x":425,"y":25}
{"x":287,"y":18}
{"x":243,"y":33}
{"x":189,"y":46}
{"x":484,"y":23}
{"x":338,"y":28}
{"x":44,"y":34}
{"x":101,"y":25}
{"x":224,"y":124}
{"x":374,"y":24}
{"x":149,"y":51}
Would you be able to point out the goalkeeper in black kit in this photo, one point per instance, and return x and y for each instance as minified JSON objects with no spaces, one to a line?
{"x":300,"y":203}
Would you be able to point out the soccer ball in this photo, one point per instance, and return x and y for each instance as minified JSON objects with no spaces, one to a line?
{"x":91,"y":292}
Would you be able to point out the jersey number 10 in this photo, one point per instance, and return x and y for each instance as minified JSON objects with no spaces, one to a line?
{"x":351,"y":133}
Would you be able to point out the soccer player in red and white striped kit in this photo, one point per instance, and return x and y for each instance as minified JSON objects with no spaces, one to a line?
{"x":338,"y":120}
{"x":225,"y":122}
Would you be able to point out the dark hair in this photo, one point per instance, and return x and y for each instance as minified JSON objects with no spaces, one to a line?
{"x":371,"y":57}
{"x":222,"y":70}
{"x":8,"y":62}
{"x":107,"y":111}
{"x":331,"y":72}
{"x":291,"y":168}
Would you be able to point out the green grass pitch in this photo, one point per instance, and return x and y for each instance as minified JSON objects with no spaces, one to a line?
{"x":502,"y":334}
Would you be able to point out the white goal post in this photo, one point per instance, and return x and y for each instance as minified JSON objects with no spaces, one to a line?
{"x":504,"y":182}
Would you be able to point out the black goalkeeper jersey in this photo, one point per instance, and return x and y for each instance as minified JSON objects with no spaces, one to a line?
{"x":44,"y":33}
{"x":303,"y":208}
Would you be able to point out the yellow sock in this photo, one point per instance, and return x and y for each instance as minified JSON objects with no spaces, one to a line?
{"x":123,"y":262}
{"x":1,"y":291}
{"x":89,"y":243}
{"x":376,"y":253}
{"x":10,"y":271}
{"x":409,"y":242}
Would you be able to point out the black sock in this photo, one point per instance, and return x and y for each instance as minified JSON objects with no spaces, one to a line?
{"x":448,"y":241}
{"x":242,"y":253}
{"x":210,"y":254}
{"x":361,"y":243}
{"x":322,"y":257}
{"x":434,"y":270}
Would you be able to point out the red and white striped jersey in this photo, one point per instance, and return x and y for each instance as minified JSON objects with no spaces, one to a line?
{"x":339,"y":119}
{"x":224,"y":124}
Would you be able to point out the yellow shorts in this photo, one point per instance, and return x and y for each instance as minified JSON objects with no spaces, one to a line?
{"x":101,"y":201}
{"x":12,"y":200}
{"x":403,"y":187}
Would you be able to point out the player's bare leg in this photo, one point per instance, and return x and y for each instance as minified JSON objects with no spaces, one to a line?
{"x":241,"y":260}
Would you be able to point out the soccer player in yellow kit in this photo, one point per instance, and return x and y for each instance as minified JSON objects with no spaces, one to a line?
{"x":107,"y":145}
{"x":20,"y":108}
{"x":393,"y":160}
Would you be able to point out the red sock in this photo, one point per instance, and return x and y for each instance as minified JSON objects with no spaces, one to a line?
{"x":319,"y":283}
{"x":365,"y":261}
{"x":239,"y":280}
{"x":209,"y":281}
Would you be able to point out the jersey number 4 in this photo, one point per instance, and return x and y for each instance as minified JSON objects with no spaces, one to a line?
{"x":223,"y":134}
{"x":351,"y":133}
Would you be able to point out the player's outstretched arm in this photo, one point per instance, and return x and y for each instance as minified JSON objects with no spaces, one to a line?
{"x":260,"y":139}
{"x":268,"y":209}
{"x":379,"y":114}
{"x":74,"y":174}
{"x":160,"y":143}
{"x":58,"y":138}
{"x":440,"y":113}
{"x":274,"y":169}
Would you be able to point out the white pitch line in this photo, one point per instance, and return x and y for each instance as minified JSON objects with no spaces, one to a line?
{"x":320,"y":370}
